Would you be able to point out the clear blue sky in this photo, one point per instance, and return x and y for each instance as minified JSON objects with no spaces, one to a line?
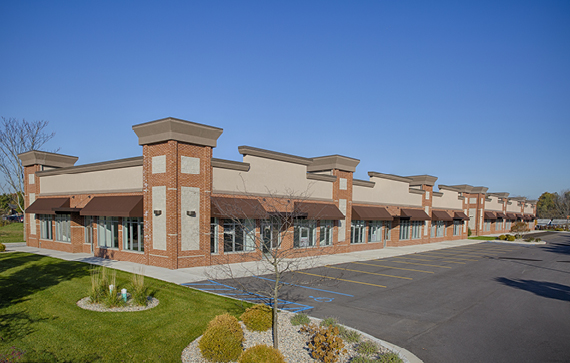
{"x":471,"y":92}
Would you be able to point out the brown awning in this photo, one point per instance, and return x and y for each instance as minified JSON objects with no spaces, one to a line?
{"x":490,"y":215}
{"x":460,"y":215}
{"x":439,"y":215}
{"x":370,"y":213}
{"x":414,"y":214}
{"x":527,"y":217}
{"x":501,"y":215}
{"x":119,"y":206}
{"x":511,"y":216}
{"x":49,"y":206}
{"x":318,"y":211}
{"x":238,"y":208}
{"x":519,"y":216}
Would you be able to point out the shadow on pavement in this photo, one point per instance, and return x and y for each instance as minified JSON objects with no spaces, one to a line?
{"x":549,"y":290}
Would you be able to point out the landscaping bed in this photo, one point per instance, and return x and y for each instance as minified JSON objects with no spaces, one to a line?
{"x":39,"y":315}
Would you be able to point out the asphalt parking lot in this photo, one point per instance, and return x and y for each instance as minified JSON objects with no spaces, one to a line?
{"x":487,"y":302}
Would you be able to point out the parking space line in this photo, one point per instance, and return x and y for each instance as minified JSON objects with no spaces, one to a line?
{"x":397,"y":268}
{"x":453,"y":258}
{"x":306,"y":287}
{"x":335,"y":278}
{"x":458,"y":253}
{"x":421,"y":264}
{"x":463,"y":263}
{"x":370,"y":273}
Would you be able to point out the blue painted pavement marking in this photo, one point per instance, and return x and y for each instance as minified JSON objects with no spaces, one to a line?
{"x":306,"y":287}
{"x":218,"y":287}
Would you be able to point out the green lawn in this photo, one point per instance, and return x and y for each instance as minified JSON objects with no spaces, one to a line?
{"x":39,"y":315}
{"x":484,"y":238}
{"x":13,"y":232}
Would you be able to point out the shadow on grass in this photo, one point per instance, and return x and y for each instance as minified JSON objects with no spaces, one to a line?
{"x":17,"y":325}
{"x":15,"y":259}
{"x":35,"y":276}
{"x":549,"y":290}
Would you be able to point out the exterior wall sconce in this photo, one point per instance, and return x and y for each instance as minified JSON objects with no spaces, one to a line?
{"x":157,"y":212}
{"x":191,"y":213}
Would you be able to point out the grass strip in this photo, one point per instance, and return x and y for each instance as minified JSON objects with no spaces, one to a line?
{"x":39,"y":315}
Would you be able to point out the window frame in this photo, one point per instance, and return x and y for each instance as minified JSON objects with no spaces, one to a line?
{"x":108,"y":232}
{"x":375,"y":231}
{"x":46,"y":227}
{"x":63,"y":227}
{"x":304,"y":225}
{"x":357,"y":227}
{"x":405,"y":225}
{"x":326,"y":232}
{"x":129,"y":224}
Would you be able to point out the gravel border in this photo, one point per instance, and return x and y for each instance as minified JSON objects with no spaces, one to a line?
{"x":86,"y":304}
{"x":292,"y":343}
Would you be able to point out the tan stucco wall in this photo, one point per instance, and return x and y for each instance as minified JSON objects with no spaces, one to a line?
{"x":449,"y":200}
{"x":528,"y":210}
{"x":122,"y":179}
{"x":494,"y":205}
{"x":514,"y":207}
{"x":268,"y":176}
{"x":386,"y":191}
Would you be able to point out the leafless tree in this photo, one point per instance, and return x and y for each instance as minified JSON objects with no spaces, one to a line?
{"x":286,"y":242}
{"x":16,"y":137}
{"x":562,"y":204}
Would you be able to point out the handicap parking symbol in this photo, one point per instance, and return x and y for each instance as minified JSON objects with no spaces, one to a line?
{"x":322,"y":299}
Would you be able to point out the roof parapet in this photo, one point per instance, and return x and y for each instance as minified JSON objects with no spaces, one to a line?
{"x":171,"y":128}
{"x":403,"y":179}
{"x":267,"y":154}
{"x":500,"y":195}
{"x":422,"y":179}
{"x":330,"y":162}
{"x":35,"y":157}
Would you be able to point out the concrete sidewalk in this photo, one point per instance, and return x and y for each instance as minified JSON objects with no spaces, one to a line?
{"x":194,"y":274}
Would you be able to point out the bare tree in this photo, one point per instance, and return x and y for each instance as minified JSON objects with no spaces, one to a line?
{"x":562,"y":203}
{"x":284,"y":245}
{"x":17,"y":137}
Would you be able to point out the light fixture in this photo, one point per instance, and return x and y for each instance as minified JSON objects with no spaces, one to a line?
{"x":157,"y":212}
{"x":191,"y":213}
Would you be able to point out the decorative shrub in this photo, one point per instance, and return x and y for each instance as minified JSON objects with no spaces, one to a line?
{"x":222,"y":340}
{"x":469,"y":233}
{"x":348,"y":335}
{"x":330,"y":321}
{"x":538,"y":240}
{"x":261,"y":353}
{"x":99,"y":286}
{"x":300,"y":319}
{"x":258,"y":317}
{"x":361,"y":359}
{"x":511,"y":238}
{"x":502,"y":237}
{"x":367,"y":348}
{"x":324,"y":343}
{"x":390,"y":358}
{"x":2,"y":247}
{"x":139,"y":291}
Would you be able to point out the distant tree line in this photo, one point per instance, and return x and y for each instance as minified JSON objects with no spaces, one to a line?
{"x":554,"y":205}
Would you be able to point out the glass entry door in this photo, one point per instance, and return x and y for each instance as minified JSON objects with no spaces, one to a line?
{"x":269,"y":236}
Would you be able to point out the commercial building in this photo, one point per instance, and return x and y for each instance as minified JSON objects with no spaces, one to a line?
{"x":176,"y":206}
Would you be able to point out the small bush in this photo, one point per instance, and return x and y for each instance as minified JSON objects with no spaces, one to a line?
{"x":2,"y":247}
{"x":330,"y":321}
{"x":502,"y":237}
{"x":367,"y":348}
{"x":348,"y":335}
{"x":139,"y":291}
{"x":361,"y":359}
{"x":324,"y":343}
{"x":261,"y":353}
{"x":469,"y":233}
{"x":258,"y":317}
{"x":222,"y":340}
{"x":390,"y":358}
{"x":538,"y":240}
{"x":511,"y":238}
{"x":300,"y":319}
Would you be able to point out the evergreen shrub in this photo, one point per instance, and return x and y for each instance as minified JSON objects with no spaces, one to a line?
{"x":261,"y":353}
{"x":222,"y":340}
{"x":258,"y":317}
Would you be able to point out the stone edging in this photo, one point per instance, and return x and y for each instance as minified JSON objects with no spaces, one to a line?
{"x":85,"y":304}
